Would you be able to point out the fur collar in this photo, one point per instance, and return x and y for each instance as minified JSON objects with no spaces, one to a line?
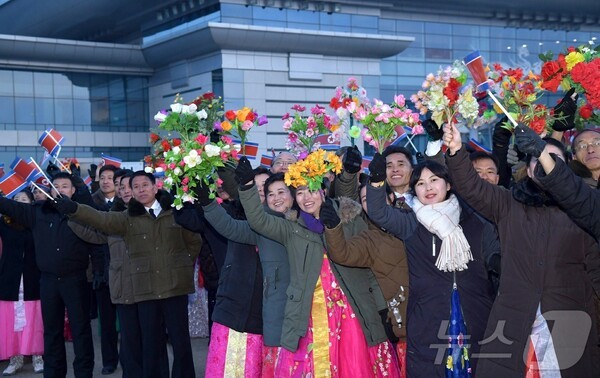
{"x":163,"y":197}
{"x":529,"y":193}
{"x":118,"y":205}
{"x":347,"y":208}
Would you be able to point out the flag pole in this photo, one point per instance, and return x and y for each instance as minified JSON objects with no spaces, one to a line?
{"x":43,"y":191}
{"x":43,"y":174}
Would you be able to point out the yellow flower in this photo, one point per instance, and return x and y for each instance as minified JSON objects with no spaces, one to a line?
{"x":573,"y":58}
{"x":242,"y":114}
{"x":226,"y":126}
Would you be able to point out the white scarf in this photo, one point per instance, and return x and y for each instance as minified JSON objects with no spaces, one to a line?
{"x":443,"y":219}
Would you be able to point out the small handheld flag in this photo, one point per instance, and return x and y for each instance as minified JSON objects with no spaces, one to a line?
{"x":109,"y":160}
{"x":12,"y":184}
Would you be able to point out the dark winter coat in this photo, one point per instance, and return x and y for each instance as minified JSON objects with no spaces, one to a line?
{"x":161,"y":252}
{"x":58,"y":251}
{"x":17,"y":260}
{"x":544,"y":261}
{"x":430,"y":288}
{"x":274,"y":263}
{"x":305,"y":255}
{"x":239,"y":294}
{"x":380,"y":251}
{"x":119,"y":271}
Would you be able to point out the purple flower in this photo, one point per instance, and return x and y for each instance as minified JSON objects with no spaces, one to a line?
{"x":262,"y":120}
{"x":217,"y":126}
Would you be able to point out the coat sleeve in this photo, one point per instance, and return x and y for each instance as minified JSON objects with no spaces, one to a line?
{"x":268,"y":225}
{"x":237,"y":230}
{"x":346,"y":185}
{"x":111,"y":223}
{"x":491,"y":201}
{"x":573,"y":195}
{"x":491,"y":244}
{"x":190,"y":217}
{"x":193,"y":242}
{"x":87,"y":233}
{"x":22,"y":213}
{"x":354,"y":252}
{"x":592,"y":263}
{"x":401,"y":223}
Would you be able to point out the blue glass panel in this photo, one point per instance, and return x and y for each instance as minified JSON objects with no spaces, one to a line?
{"x":6,"y":78}
{"x":82,"y":112}
{"x":370,"y":22}
{"x":438,"y":28}
{"x":234,"y":10}
{"x":63,"y":111}
{"x":23,"y":82}
{"x":403,"y":26}
{"x":7,"y":104}
{"x":499,"y":32}
{"x":63,"y":86}
{"x":307,"y":17}
{"x":44,"y":111}
{"x":466,"y":30}
{"x":43,"y":84}
{"x":268,"y":13}
{"x":24,"y":110}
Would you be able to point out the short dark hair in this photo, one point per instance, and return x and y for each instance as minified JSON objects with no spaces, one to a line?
{"x":121,"y":172}
{"x":63,"y":175}
{"x":261,"y":171}
{"x":555,"y":143}
{"x":142,"y":173}
{"x":107,"y":167}
{"x":28,"y":193}
{"x":479,"y":155}
{"x":391,"y":149}
{"x":273,"y":178}
{"x":127,"y":175}
{"x":436,"y":168}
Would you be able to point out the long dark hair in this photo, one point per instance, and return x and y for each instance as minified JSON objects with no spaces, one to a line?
{"x":436,"y":168}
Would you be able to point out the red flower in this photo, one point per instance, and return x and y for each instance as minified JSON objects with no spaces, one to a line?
{"x":586,"y":111}
{"x":208,"y":96}
{"x":251,"y":116}
{"x":176,"y":142}
{"x":230,"y":115}
{"x":538,"y":124}
{"x":334,"y":103}
{"x":451,"y":91}
{"x":154,"y":138}
{"x":165,"y":145}
{"x":515,"y":73}
{"x":552,"y":75}
{"x":202,"y":139}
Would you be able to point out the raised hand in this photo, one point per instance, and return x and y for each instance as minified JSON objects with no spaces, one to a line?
{"x":377,"y":168}
{"x":452,"y":138}
{"x":244,"y":174}
{"x":565,"y":111}
{"x":328,"y":215}
{"x":528,"y":141}
{"x":352,"y":160}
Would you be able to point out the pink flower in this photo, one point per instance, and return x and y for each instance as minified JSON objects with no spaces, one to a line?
{"x":182,"y":163}
{"x":287,"y":125}
{"x":400,"y":100}
{"x":185,"y":188}
{"x":374,"y":143}
{"x":159,"y":184}
{"x":185,"y":180}
{"x":361,"y":113}
{"x":293,"y":137}
{"x":286,"y":116}
{"x":317,"y":110}
{"x":202,"y":139}
{"x":226,"y":139}
{"x":247,"y":125}
{"x":171,"y":166}
{"x":418,"y":129}
{"x":234,"y":154}
{"x":298,"y":108}
{"x":367,"y":137}
{"x":219,"y":181}
{"x":310,"y":132}
{"x":223,"y":155}
{"x":311,"y":123}
{"x":383,"y":117}
{"x":219,"y":200}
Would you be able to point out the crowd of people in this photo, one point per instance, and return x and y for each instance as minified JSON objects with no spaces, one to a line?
{"x":354,"y":278}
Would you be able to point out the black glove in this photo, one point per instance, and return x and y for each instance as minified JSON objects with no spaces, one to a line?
{"x":352,"y":160}
{"x":92,"y":171}
{"x":202,"y":194}
{"x":214,"y":137}
{"x":501,"y":136}
{"x":77,"y":181}
{"x":244,"y":173}
{"x":328,"y":215}
{"x":528,"y":141}
{"x":75,"y":171}
{"x":565,"y":111}
{"x":434,"y":132}
{"x":64,"y":205}
{"x":52,"y":169}
{"x":98,"y":280}
{"x":377,"y":168}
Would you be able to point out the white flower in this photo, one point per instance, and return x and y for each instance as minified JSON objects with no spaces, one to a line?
{"x":202,"y":114}
{"x":176,"y":150}
{"x":192,"y":159}
{"x":212,"y":150}
{"x":148,"y":170}
{"x":187,"y":198}
{"x":168,"y":181}
{"x":226,"y":148}
{"x":237,"y":147}
{"x":185,"y":109}
{"x":192,"y":108}
{"x":193,"y":153}
{"x":176,"y":108}
{"x":177,"y":171}
{"x":160,"y":117}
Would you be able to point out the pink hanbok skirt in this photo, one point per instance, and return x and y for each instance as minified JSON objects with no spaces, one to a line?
{"x":29,"y":340}
{"x":233,"y":354}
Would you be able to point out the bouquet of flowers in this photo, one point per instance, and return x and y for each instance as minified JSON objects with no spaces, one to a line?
{"x":382,"y":121}
{"x":311,"y":171}
{"x":303,"y":131}
{"x":193,"y":118}
{"x":447,"y":97}
{"x":519,"y":93}
{"x":579,"y":68}
{"x":345,"y":102}
{"x":239,"y":122}
{"x":191,"y":157}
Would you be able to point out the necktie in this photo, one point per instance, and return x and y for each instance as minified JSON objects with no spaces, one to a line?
{"x":151,"y":212}
{"x":109,"y":203}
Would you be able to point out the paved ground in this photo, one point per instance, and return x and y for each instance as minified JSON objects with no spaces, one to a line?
{"x":199,"y":347}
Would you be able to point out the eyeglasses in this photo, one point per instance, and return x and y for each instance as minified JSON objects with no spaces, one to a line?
{"x":281,"y":163}
{"x":584,"y":146}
